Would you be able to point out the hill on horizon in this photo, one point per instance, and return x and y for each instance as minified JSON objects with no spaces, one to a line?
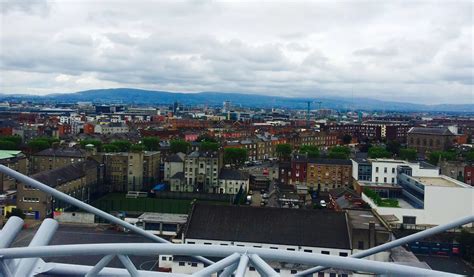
{"x":139,"y":96}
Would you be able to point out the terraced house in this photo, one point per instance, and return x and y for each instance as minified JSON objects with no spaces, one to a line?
{"x":79,"y":180}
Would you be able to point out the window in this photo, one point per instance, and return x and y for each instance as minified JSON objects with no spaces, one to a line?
{"x":251,"y":268}
{"x":190,"y":242}
{"x":376,"y":179}
{"x":377,"y":169}
{"x":384,"y":170}
{"x":385,"y":179}
{"x":325,"y":252}
{"x":293,"y":271}
{"x":320,"y":274}
{"x":332,"y":274}
{"x":393,"y":169}
{"x":181,"y":263}
{"x":163,"y":258}
{"x":409,"y":220}
{"x":393,"y":180}
{"x":31,"y":199}
{"x":194,"y":264}
{"x":290,"y":249}
{"x":308,"y":251}
{"x":343,"y":254}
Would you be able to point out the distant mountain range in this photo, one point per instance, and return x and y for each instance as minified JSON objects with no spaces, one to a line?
{"x":138,"y":96}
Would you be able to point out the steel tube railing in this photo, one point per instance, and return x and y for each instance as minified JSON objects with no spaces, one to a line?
{"x":400,"y":241}
{"x":84,"y":206}
{"x":217,"y":251}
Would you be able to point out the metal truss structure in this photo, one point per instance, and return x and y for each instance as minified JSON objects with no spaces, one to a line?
{"x":27,"y":261}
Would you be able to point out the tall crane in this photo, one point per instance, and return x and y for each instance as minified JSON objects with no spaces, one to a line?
{"x":308,"y":110}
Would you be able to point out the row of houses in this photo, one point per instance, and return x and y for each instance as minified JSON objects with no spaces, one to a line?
{"x":316,"y":173}
{"x":203,"y":171}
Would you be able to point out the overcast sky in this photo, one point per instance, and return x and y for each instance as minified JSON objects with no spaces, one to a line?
{"x":404,"y":51}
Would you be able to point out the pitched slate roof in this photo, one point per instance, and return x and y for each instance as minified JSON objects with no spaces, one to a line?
{"x":313,"y":228}
{"x":233,"y":174}
{"x":65,"y":174}
{"x":444,"y":131}
{"x":62,"y":152}
{"x":175,"y":158}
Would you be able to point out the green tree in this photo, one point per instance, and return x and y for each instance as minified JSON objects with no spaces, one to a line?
{"x":379,"y":152}
{"x":235,"y":156}
{"x":208,"y":146}
{"x":206,"y":137}
{"x":110,"y":148}
{"x":346,"y":139}
{"x":393,"y":147}
{"x":179,"y":146}
{"x":37,"y":145}
{"x":16,"y":212}
{"x":435,"y":156}
{"x":339,"y":152}
{"x":408,"y":154}
{"x":137,"y":147}
{"x":310,"y":150}
{"x":151,"y":143}
{"x":469,"y":156}
{"x":122,"y":145}
{"x":283,"y":150}
{"x":97,"y":143}
{"x":7,"y":145}
{"x":14,"y":139}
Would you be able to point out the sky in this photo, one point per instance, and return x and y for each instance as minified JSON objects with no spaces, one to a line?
{"x":408,"y":51}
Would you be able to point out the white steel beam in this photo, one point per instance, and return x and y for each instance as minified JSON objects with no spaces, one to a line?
{"x":218,"y":266}
{"x":242,"y":267}
{"x":146,"y":249}
{"x":400,"y":241}
{"x":84,"y":206}
{"x":100,"y":265}
{"x":10,"y":231}
{"x":42,"y":237}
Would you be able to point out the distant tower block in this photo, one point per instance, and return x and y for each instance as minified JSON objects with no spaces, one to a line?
{"x":226,"y":106}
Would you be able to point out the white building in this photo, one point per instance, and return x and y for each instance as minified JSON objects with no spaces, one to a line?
{"x":311,"y":231}
{"x":232,"y":180}
{"x":173,"y":164}
{"x":423,"y":199}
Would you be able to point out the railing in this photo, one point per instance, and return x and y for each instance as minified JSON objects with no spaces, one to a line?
{"x":27,"y":261}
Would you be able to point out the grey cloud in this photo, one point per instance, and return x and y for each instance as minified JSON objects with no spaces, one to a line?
{"x":374,"y":49}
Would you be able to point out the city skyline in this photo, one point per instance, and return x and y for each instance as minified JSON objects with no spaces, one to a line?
{"x":417,"y":52}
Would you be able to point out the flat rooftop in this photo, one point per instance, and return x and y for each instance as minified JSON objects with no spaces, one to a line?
{"x":360,"y":219}
{"x":441,"y":181}
{"x":164,"y":217}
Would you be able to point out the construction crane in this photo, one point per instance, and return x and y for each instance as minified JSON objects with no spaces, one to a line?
{"x":308,"y":110}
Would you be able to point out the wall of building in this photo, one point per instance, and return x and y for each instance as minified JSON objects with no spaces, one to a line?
{"x":74,"y":217}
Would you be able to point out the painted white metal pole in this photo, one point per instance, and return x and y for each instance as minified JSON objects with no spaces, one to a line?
{"x":262,"y":267}
{"x":228,"y":271}
{"x":218,"y":266}
{"x":100,"y":265}
{"x":145,"y":249}
{"x":242,"y":267}
{"x":42,"y":237}
{"x":84,"y":206}
{"x":10,"y":231}
{"x":400,"y":241}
